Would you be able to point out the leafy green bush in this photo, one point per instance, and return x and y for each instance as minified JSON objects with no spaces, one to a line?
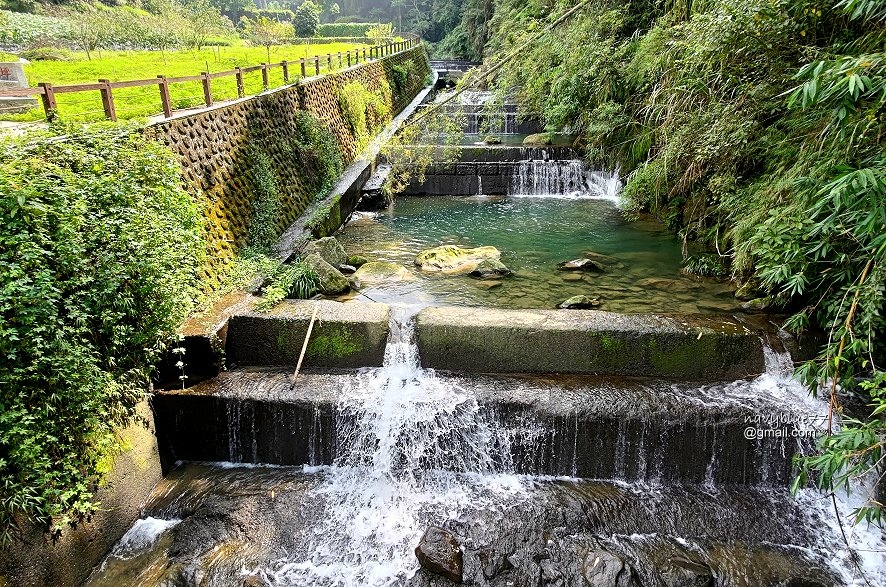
{"x":345,"y":29}
{"x":704,"y":265}
{"x":298,"y":281}
{"x":99,"y":253}
{"x":19,"y":29}
{"x":47,"y":54}
{"x":364,"y":111}
{"x":265,"y":204}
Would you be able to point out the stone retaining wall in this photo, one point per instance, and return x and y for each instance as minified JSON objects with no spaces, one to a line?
{"x":216,"y":146}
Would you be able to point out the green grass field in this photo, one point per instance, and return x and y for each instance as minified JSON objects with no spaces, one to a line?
{"x":144,"y":101}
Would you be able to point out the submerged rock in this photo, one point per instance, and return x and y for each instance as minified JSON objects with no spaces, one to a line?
{"x":492,"y":140}
{"x":329,"y":249}
{"x":378,"y":272}
{"x":748,"y":291}
{"x":490,"y":268}
{"x":686,"y":573}
{"x":439,"y":552}
{"x":756,"y":305}
{"x":332,"y":281}
{"x":601,"y":258}
{"x":347,"y":269}
{"x":357,"y":261}
{"x":580,"y":303}
{"x":581,"y":265}
{"x":454,"y":259}
{"x":543,"y":138}
{"x":489,"y":284}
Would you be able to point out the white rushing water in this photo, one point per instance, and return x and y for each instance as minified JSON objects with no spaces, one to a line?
{"x":141,"y":536}
{"x":417,"y":449}
{"x":567,"y":179}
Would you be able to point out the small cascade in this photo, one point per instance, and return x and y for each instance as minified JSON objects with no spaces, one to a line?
{"x":565,"y":179}
{"x":415,"y":449}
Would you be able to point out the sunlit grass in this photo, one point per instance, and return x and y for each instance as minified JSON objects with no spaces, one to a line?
{"x":144,"y":101}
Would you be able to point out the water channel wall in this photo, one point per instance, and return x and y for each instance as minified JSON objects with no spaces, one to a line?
{"x":66,"y":560}
{"x":217,"y":146}
{"x":491,"y":170}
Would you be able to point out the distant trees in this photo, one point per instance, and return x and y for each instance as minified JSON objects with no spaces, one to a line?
{"x":307,"y":19}
{"x":267,"y":33}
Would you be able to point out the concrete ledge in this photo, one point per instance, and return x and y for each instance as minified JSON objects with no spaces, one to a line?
{"x":345,"y":335}
{"x":590,"y":342}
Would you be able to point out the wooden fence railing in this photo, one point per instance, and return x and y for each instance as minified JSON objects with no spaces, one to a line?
{"x":303,"y":67}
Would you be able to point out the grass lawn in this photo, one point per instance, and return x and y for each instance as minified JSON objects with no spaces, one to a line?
{"x":144,"y":101}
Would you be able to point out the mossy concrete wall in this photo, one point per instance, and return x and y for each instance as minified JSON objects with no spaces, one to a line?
{"x":344,"y":335}
{"x":66,"y":561}
{"x":575,"y":341}
{"x":215,"y":146}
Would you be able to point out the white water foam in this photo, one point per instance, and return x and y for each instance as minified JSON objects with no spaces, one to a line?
{"x":418,"y":452}
{"x":141,"y":536}
{"x":565,"y":179}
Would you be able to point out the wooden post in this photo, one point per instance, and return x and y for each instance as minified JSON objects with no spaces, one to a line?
{"x":50,"y":108}
{"x":108,"y":100}
{"x":349,"y":58}
{"x":285,"y":65}
{"x":164,"y":96}
{"x":329,"y":61}
{"x":207,"y":88}
{"x":239,"y":74}
{"x":340,"y":60}
{"x":317,"y":64}
{"x":264,"y":76}
{"x":304,"y":69}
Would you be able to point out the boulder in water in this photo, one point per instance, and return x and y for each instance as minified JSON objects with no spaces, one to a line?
{"x":347,"y":269}
{"x":454,"y":259}
{"x":605,"y":260}
{"x":581,"y":265}
{"x":604,"y":569}
{"x":580,"y":303}
{"x":756,"y":305}
{"x":332,"y":282}
{"x":489,"y":284}
{"x":492,"y":140}
{"x":439,"y":552}
{"x":378,"y":272}
{"x":490,"y":269}
{"x":544,"y":138}
{"x":329,"y":249}
{"x":357,"y":261}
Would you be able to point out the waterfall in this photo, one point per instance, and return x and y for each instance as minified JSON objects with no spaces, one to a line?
{"x":414,"y":450}
{"x":564,"y":179}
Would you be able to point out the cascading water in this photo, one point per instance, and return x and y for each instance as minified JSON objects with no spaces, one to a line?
{"x":564,"y":179}
{"x":415,"y":448}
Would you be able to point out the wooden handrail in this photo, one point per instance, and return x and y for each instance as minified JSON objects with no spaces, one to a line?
{"x":47,"y":91}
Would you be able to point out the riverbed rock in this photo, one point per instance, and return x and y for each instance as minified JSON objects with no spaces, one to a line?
{"x":329,"y":249}
{"x":601,"y":258}
{"x":543,"y":138}
{"x":748,"y":291}
{"x":604,"y":569}
{"x":581,"y":265}
{"x":347,"y":269}
{"x":439,"y":552}
{"x":490,"y":269}
{"x":332,"y":281}
{"x":488,"y":284}
{"x":454,"y":259}
{"x":580,"y":303}
{"x":757,"y":305}
{"x":680,"y":572}
{"x":379,"y":272}
{"x":357,"y":261}
{"x":492,"y":140}
{"x":572,"y":277}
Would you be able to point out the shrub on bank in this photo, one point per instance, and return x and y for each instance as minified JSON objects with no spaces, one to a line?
{"x":99,"y":252}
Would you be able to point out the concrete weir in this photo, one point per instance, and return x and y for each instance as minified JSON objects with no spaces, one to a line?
{"x":344,"y":335}
{"x":579,"y":426}
{"x":490,"y":340}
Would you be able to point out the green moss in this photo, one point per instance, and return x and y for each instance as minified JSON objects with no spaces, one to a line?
{"x":334,"y":343}
{"x":326,"y":219}
{"x":683,"y":359}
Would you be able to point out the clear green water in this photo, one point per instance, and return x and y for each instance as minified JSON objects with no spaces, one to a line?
{"x":534,"y":235}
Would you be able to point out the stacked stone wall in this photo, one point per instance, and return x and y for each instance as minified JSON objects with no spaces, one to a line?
{"x":217,"y":146}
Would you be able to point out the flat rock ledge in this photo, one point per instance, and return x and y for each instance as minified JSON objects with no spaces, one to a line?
{"x":485,"y":340}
